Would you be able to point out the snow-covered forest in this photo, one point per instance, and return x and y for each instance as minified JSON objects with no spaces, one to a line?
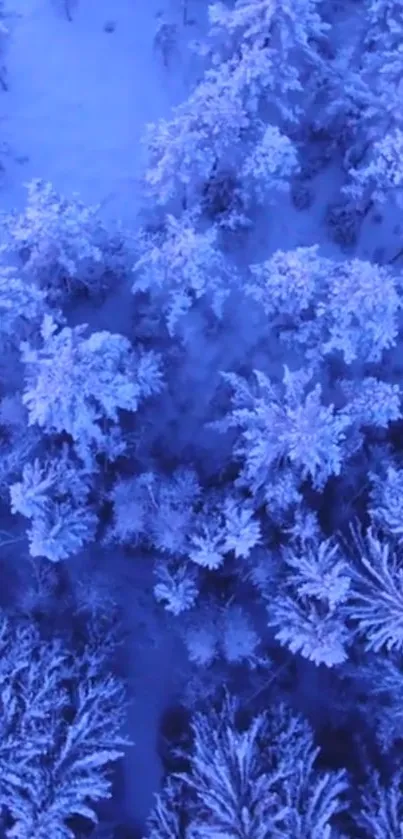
{"x":201,"y":419}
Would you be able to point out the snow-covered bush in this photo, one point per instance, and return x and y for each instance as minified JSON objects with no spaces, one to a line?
{"x":259,"y":782}
{"x":63,"y":244}
{"x":53,"y":495}
{"x":156,"y":508}
{"x":180,"y":266}
{"x":238,"y":638}
{"x":177,"y":519}
{"x":227,"y":633}
{"x":78,"y":385}
{"x":61,"y":719}
{"x":306,"y":612}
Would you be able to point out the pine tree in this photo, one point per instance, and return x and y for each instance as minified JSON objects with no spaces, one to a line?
{"x":258,"y":782}
{"x":78,"y":385}
{"x":53,"y":496}
{"x":61,"y":241}
{"x":61,"y":719}
{"x":284,"y":425}
{"x":306,"y":612}
{"x":375,"y":604}
{"x":182,"y":265}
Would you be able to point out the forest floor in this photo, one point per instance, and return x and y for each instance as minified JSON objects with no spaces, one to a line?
{"x":80,"y":93}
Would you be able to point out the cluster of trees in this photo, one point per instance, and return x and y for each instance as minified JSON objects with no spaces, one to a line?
{"x":285,"y":547}
{"x":61,"y":731}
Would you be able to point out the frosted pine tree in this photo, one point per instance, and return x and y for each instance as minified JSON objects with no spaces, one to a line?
{"x":381,"y":812}
{"x":258,"y":782}
{"x":371,"y":401}
{"x":228,"y":633}
{"x":307,"y":613}
{"x":375,"y":604}
{"x":218,"y":121}
{"x":380,"y":178}
{"x":381,"y":65}
{"x":156,"y":509}
{"x":60,"y":241}
{"x":387,"y":501}
{"x":61,"y":721}
{"x":362,"y":310}
{"x":363,"y":84}
{"x":168,"y":815}
{"x":322,"y":306}
{"x":280,"y":425}
{"x":181,"y":265}
{"x":61,"y":531}
{"x":53,"y":496}
{"x":78,"y":385}
{"x":239,"y":641}
{"x":374,"y":83}
{"x":241,"y":527}
{"x":205,"y":130}
{"x":270,"y":44}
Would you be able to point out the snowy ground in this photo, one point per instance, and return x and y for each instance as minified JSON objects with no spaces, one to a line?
{"x":79,"y":97}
